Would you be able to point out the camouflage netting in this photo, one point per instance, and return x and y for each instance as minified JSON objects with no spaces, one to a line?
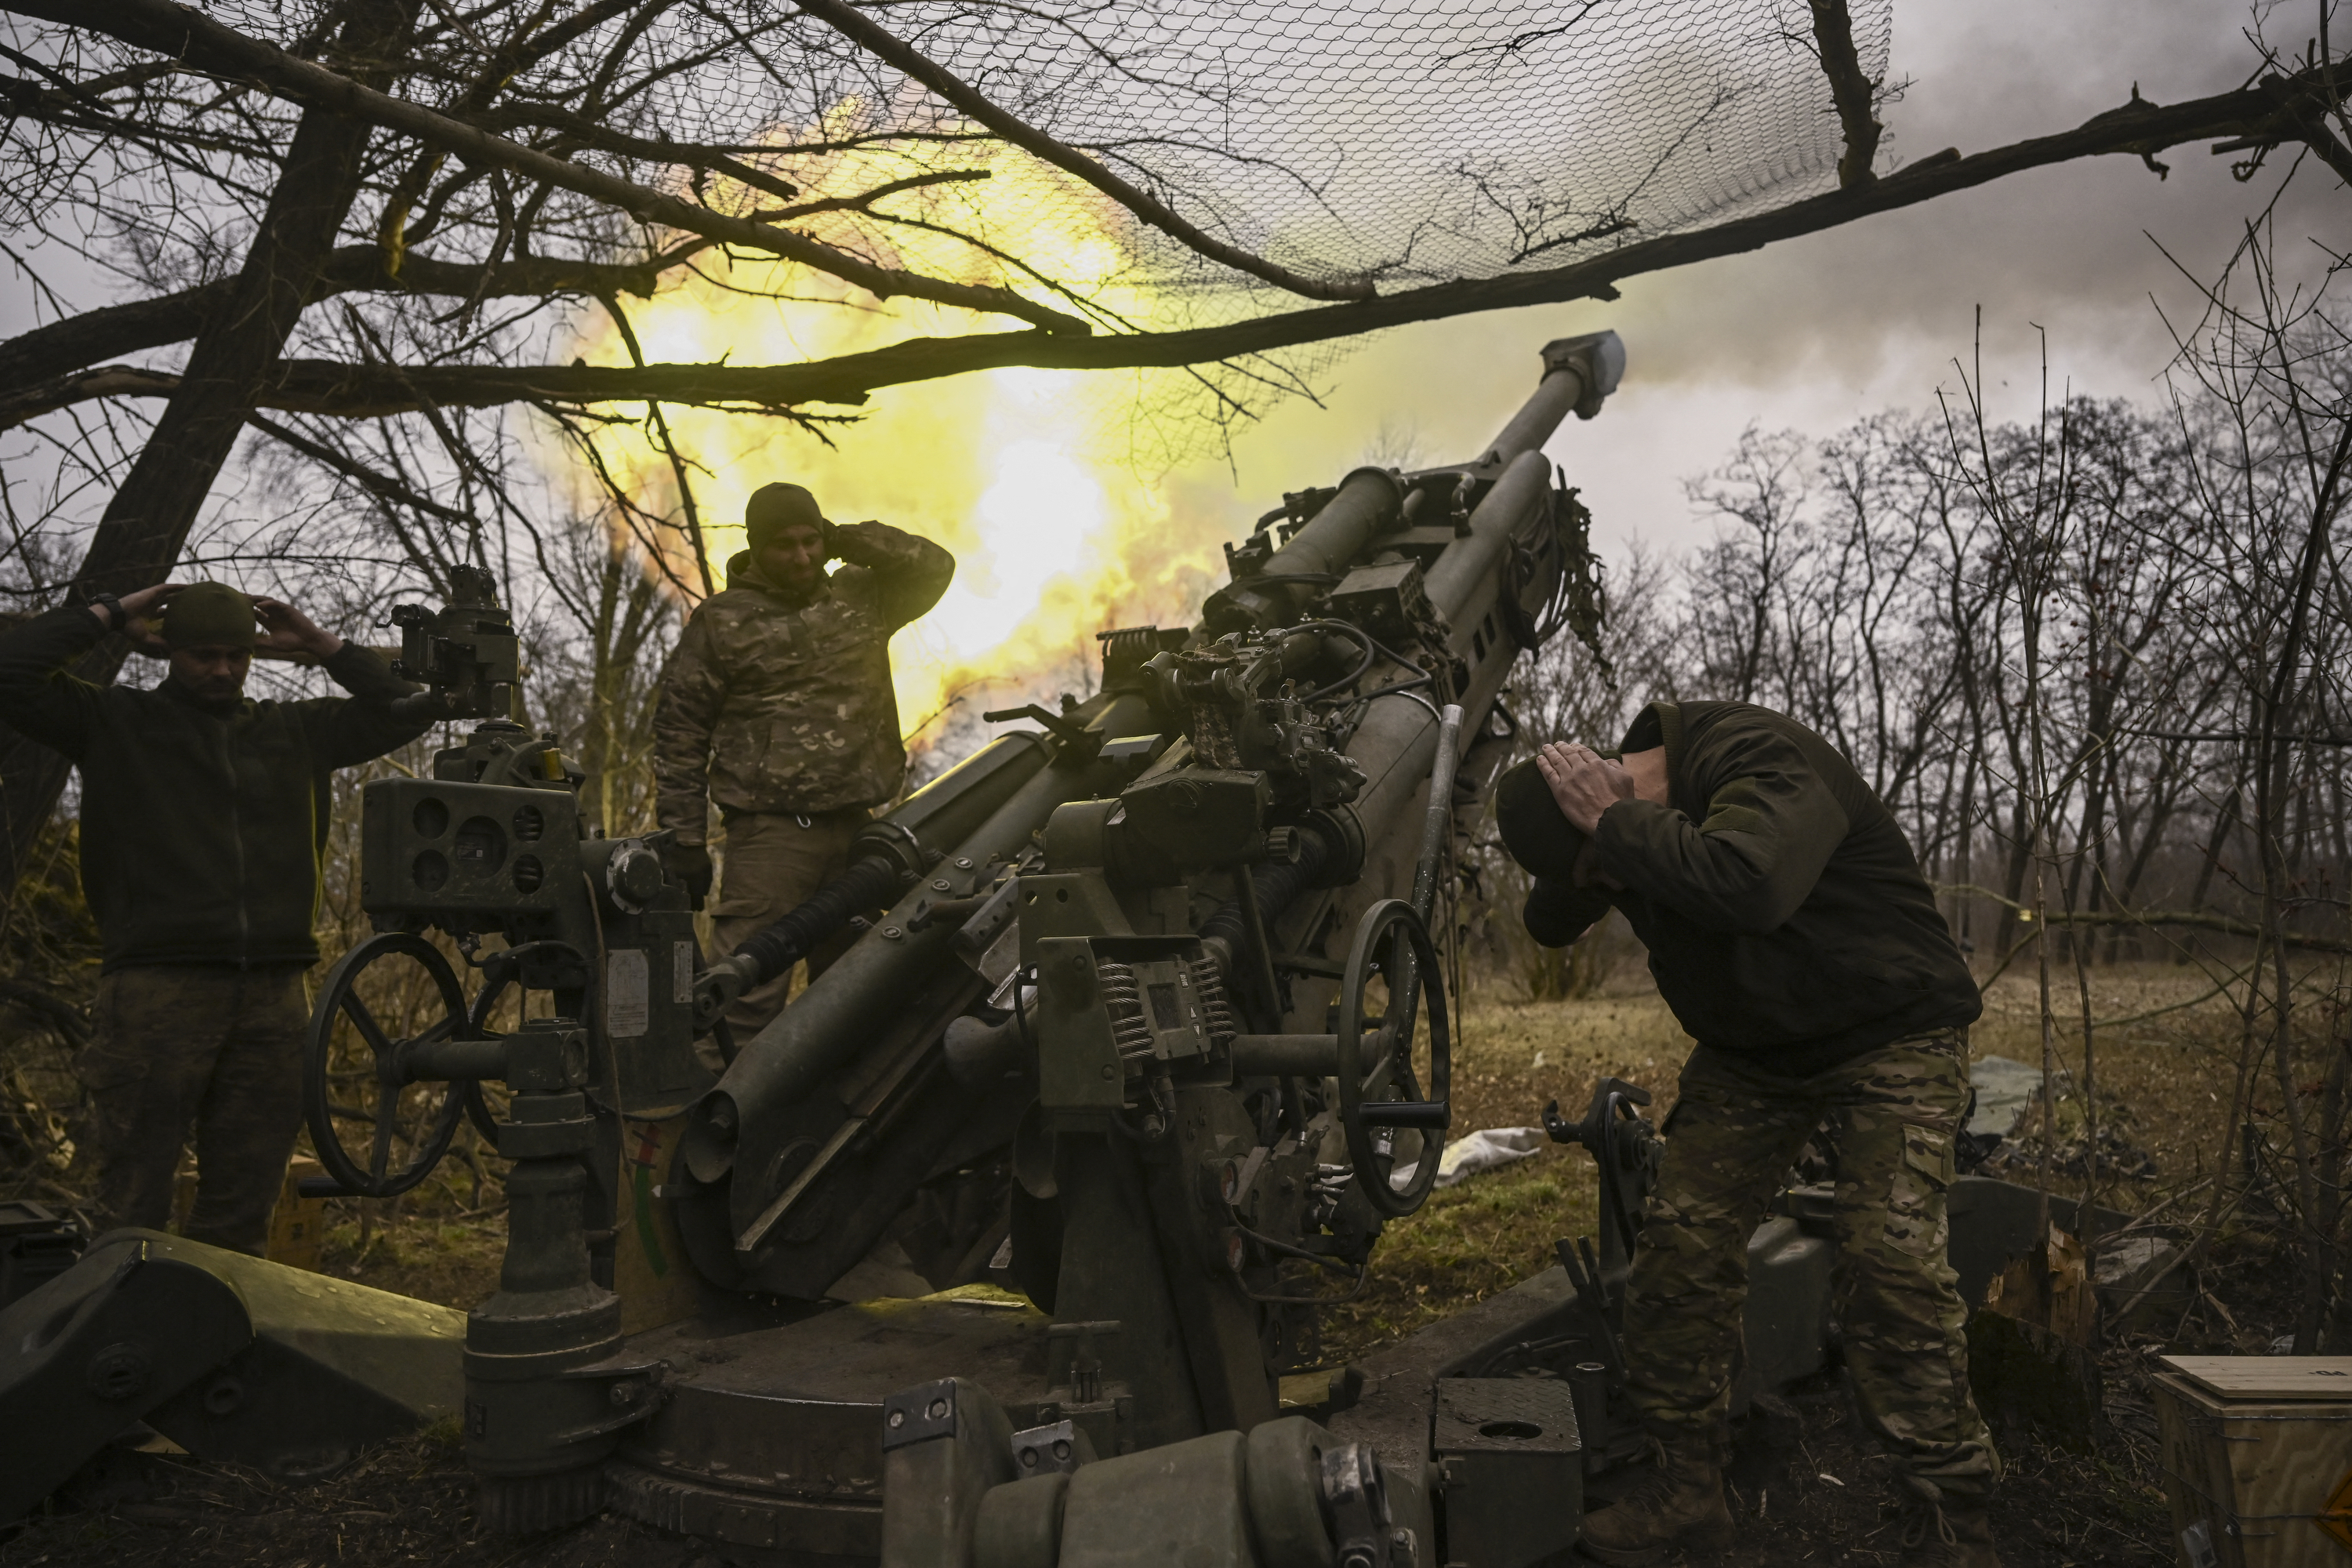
{"x":1408,"y":145}
{"x":1433,"y":141}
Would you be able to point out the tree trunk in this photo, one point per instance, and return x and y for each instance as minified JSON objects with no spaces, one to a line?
{"x":146,"y":523}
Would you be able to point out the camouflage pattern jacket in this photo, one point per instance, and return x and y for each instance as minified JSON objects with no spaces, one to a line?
{"x":776,"y":704}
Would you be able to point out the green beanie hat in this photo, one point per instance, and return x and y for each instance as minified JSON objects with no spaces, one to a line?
{"x":775,"y":508}
{"x":1534,"y":830}
{"x":209,"y":614}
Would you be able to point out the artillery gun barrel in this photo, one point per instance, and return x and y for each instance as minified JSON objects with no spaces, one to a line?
{"x":1579,"y":373}
{"x":1467,"y":569}
{"x":895,"y":848}
{"x":1396,"y":742}
{"x":828,"y":1024}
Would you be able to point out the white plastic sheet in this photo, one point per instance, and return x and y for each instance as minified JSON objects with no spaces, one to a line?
{"x":1481,"y":1150}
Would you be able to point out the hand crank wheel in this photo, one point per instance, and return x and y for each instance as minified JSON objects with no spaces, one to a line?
{"x":410,"y":1123}
{"x":1377,"y":1089}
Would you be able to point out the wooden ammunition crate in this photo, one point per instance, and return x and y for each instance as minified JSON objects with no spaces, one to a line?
{"x":2257,"y":1455}
{"x":297,"y":1225}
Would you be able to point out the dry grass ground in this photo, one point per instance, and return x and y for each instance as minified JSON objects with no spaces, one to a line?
{"x":2166,"y":1061}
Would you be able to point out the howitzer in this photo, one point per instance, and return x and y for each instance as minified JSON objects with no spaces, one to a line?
{"x":1146,"y":1026}
{"x":1146,"y":1006}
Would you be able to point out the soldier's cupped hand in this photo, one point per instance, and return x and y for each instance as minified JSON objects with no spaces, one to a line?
{"x":142,"y":617}
{"x":1585,"y":783}
{"x":286,"y":629}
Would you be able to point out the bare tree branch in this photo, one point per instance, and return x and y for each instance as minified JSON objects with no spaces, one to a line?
{"x":187,"y":35}
{"x":1850,"y":89}
{"x":53,"y":352}
{"x":855,"y":26}
{"x":2191,"y":919}
{"x":65,"y":346}
{"x":2274,"y":109}
{"x":382,"y":486}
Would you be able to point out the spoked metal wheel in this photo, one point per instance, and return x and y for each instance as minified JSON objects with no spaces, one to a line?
{"x":1380,"y":1085}
{"x":354,"y":1084}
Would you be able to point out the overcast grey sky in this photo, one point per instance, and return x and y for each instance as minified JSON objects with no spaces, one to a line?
{"x":1813,"y":334}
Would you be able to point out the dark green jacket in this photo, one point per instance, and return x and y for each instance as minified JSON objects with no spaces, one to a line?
{"x":1786,"y":918}
{"x":201,"y":825}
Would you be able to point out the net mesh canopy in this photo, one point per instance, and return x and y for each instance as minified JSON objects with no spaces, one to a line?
{"x":1427,"y":142}
{"x":1397,"y":142}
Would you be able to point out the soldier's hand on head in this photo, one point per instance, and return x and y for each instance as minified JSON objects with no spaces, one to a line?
{"x":142,"y":614}
{"x":149,"y":599}
{"x":842,"y":542}
{"x":287,"y":630}
{"x":1585,"y":783}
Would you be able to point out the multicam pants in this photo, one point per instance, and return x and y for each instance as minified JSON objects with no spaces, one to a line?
{"x":1735,"y":1130}
{"x":775,"y":862}
{"x":201,"y":1046}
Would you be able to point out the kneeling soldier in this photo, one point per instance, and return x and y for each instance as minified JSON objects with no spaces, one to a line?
{"x":1792,"y":935}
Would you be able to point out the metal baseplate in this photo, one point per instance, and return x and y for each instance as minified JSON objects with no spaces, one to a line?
{"x":231,"y":1357}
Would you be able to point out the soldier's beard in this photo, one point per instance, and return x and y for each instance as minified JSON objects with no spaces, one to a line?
{"x":796,"y":575}
{"x":210,"y":681}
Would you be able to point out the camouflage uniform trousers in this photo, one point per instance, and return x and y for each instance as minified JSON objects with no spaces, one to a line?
{"x":774,"y":862}
{"x":1892,"y":1115}
{"x":207,"y":1046}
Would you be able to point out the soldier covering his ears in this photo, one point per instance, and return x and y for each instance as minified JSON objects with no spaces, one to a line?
{"x":1792,"y":935}
{"x":202,"y":816}
{"x":777,"y":707}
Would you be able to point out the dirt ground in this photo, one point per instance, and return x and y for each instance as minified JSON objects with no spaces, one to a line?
{"x":1806,"y":1485}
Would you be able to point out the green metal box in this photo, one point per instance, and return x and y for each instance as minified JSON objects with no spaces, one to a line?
{"x":1511,"y":1465}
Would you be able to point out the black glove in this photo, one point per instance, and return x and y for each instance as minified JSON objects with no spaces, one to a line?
{"x":843,"y":542}
{"x":689,"y":864}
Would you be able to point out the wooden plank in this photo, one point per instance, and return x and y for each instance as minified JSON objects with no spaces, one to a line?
{"x":2292,"y":1377}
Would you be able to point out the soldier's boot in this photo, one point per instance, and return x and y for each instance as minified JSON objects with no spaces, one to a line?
{"x":1946,"y":1532}
{"x":1675,"y":1506}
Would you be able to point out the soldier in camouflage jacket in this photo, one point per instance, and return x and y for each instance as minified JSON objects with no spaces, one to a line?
{"x":777,"y":708}
{"x":1790,"y":929}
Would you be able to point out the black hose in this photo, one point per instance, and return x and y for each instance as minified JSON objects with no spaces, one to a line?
{"x":1278,"y":887}
{"x":871,"y":883}
{"x":1363,"y":639}
{"x":1421,"y":679}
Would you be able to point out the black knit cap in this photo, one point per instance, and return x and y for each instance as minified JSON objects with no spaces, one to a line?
{"x":1536,"y":832}
{"x":775,"y":508}
{"x":209,"y":614}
